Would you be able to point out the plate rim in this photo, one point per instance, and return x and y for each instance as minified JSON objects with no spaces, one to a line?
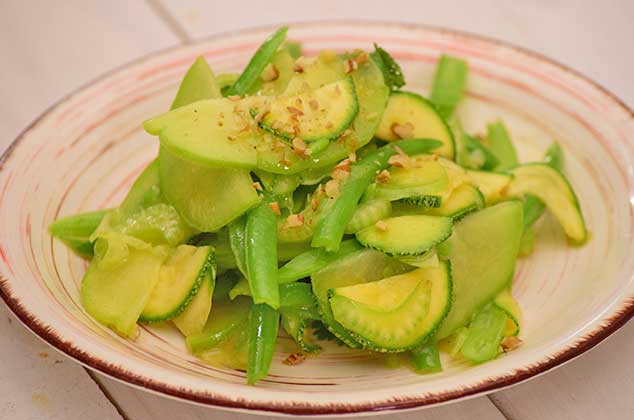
{"x":617,"y":319}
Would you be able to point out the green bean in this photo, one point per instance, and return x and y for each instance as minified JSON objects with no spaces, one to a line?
{"x":78,"y":226}
{"x":474,"y":148}
{"x":485,"y":334}
{"x":261,"y":254}
{"x":449,"y":84}
{"x":312,"y":261}
{"x":263,"y":326}
{"x":330,"y":229}
{"x":501,"y":145}
{"x":237,"y":240}
{"x":258,"y":62}
{"x":426,"y":358}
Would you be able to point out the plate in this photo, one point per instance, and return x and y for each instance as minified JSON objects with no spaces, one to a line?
{"x":85,"y":151}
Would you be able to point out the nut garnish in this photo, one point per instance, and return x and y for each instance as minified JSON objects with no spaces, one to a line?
{"x":257,"y":186}
{"x":403,"y":131}
{"x":350,"y":65}
{"x":294,"y":359}
{"x":314,"y":104}
{"x":294,"y":111}
{"x":300,"y":148}
{"x":362,"y":57}
{"x":276,"y":208}
{"x":510,"y":343}
{"x":381,"y":225}
{"x":294,"y":220}
{"x":234,"y":97}
{"x":332,"y":188}
{"x":300,"y":64}
{"x":262,"y":113}
{"x":352,"y":157}
{"x":231,"y":138}
{"x":314,"y":203}
{"x":383,"y":177}
{"x":270,"y":73}
{"x":340,"y":174}
{"x":399,"y":161}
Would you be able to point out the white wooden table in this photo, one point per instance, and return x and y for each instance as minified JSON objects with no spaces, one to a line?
{"x":49,"y":48}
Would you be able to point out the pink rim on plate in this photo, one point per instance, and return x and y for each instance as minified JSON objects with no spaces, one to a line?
{"x":85,"y":151}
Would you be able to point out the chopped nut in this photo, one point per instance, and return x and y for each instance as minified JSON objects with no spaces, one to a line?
{"x":383,"y":177}
{"x":403,"y":131}
{"x":314,"y":104}
{"x":314,"y":203}
{"x":350,"y":65}
{"x":329,"y":125}
{"x":300,"y":64}
{"x":300,"y":148}
{"x":352,"y":157}
{"x":261,"y":114}
{"x":399,"y":161}
{"x":337,"y":90}
{"x":362,"y":57}
{"x":270,"y":73}
{"x":294,"y":359}
{"x":372,"y":116}
{"x":276,"y":208}
{"x":332,"y":188}
{"x":344,"y":165}
{"x":257,"y":186}
{"x":510,"y":343}
{"x":232,"y":138}
{"x":234,"y":97}
{"x":340,"y":174}
{"x":294,"y":220}
{"x":295,"y":111}
{"x":381,"y":225}
{"x":346,"y":133}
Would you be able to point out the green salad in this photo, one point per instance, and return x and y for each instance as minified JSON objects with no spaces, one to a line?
{"x":319,"y":195}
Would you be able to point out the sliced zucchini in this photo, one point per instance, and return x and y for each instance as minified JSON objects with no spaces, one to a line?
{"x":507,"y":303}
{"x":425,"y":184}
{"x":552,"y":187}
{"x":426,"y":260}
{"x":359,"y":267}
{"x":120,"y":280}
{"x":421,"y":118}
{"x":406,"y":235}
{"x":180,"y":279}
{"x":195,"y":315}
{"x":309,"y":262}
{"x":157,"y":224}
{"x":75,"y":231}
{"x":368,"y":213}
{"x":207,"y":198}
{"x":144,"y":192}
{"x":501,"y":145}
{"x":397,"y":313}
{"x":463,"y":200}
{"x":482,"y":251}
{"x":322,"y":113}
{"x":492,"y":185}
{"x":296,"y":325}
{"x":199,"y":83}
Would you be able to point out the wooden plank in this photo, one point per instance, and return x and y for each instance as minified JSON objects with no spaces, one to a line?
{"x":598,"y":385}
{"x":36,"y":382}
{"x":145,"y":406}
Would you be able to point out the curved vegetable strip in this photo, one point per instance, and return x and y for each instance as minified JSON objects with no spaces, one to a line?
{"x":426,"y":358}
{"x":238,"y":242}
{"x":501,"y":146}
{"x":75,"y":231}
{"x":199,"y":83}
{"x":485,"y":334}
{"x":295,"y":326}
{"x":261,"y":254}
{"x":449,"y":84}
{"x":312,"y":261}
{"x":258,"y":62}
{"x":533,"y":206}
{"x":331,"y":227}
{"x":263,"y":325}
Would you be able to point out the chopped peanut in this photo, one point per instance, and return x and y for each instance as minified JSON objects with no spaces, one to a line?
{"x":300,"y":64}
{"x":294,"y":359}
{"x":381,"y":225}
{"x":276,"y":208}
{"x":314,"y":203}
{"x":344,"y":165}
{"x":295,"y":111}
{"x":261,"y":114}
{"x":300,"y":148}
{"x":510,"y":343}
{"x":350,"y":65}
{"x":332,"y":188}
{"x":403,"y":131}
{"x":294,"y":220}
{"x":399,"y":161}
{"x":257,"y":186}
{"x":340,"y":174}
{"x":383,"y":177}
{"x":362,"y":57}
{"x":270,"y":73}
{"x":314,"y":104}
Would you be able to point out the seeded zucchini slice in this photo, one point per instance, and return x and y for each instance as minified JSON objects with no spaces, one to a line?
{"x":406,"y":235}
{"x":506,"y":302}
{"x":492,"y":185}
{"x":463,"y":200}
{"x":179,"y":281}
{"x":408,"y":109}
{"x":397,"y":313}
{"x":195,"y":315}
{"x":318,"y":114}
{"x":550,"y":186}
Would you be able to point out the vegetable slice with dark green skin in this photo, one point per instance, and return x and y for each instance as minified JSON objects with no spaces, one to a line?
{"x":392,"y":72}
{"x":199,"y":83}
{"x":238,"y":241}
{"x":492,"y":185}
{"x":426,"y":358}
{"x":358,"y":267}
{"x":406,"y":235}
{"x":449,"y":84}
{"x":258,"y":62}
{"x":144,"y":192}
{"x":485,"y":335}
{"x":411,"y":110}
{"x":179,"y":280}
{"x":263,"y":325}
{"x":507,"y":303}
{"x":533,"y":206}
{"x":296,"y":325}
{"x":194,"y":317}
{"x":331,"y":227}
{"x":396,"y":313}
{"x":368,"y":213}
{"x":75,"y":231}
{"x":552,"y":187}
{"x":482,"y":251}
{"x":501,"y":145}
{"x":314,"y":260}
{"x":462,"y":201}
{"x":261,"y":254}
{"x":298,"y":311}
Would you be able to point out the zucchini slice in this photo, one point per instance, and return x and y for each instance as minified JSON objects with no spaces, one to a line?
{"x":506,"y":302}
{"x":552,"y":187}
{"x":359,"y":267}
{"x":492,"y":185}
{"x":195,"y":315}
{"x":406,"y":235}
{"x":463,"y":200}
{"x":482,"y":251}
{"x":320,"y":114}
{"x":397,"y":313}
{"x":207,"y":198}
{"x":426,"y":260}
{"x":422,"y":119}
{"x":179,"y":281}
{"x":199,"y":83}
{"x":368,"y":213}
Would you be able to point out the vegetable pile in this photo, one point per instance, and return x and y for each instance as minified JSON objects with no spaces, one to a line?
{"x":314,"y":193}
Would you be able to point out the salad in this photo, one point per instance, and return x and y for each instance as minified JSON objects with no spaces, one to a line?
{"x":320,"y":195}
